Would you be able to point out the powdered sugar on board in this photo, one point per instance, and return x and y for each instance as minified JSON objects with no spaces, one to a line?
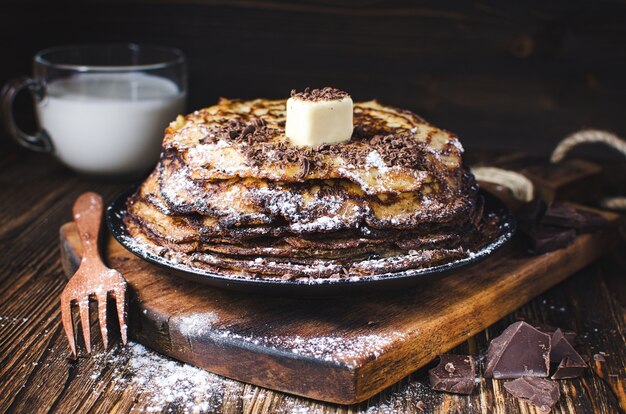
{"x":331,"y":348}
{"x":197,"y":324}
{"x":166,"y":385}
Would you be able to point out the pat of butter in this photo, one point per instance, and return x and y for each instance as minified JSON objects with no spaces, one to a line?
{"x":315,"y":122}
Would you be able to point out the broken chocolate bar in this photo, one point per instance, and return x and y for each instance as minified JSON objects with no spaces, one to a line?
{"x":550,"y":330}
{"x":540,"y":392}
{"x":571,"y":364}
{"x":562,"y":215}
{"x":569,"y":368}
{"x":591,"y":221}
{"x":554,"y":227}
{"x":546,"y":239}
{"x":454,"y":374}
{"x":520,"y":351}
{"x":561,"y":348}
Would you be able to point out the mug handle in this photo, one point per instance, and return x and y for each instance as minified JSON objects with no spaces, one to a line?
{"x":40,"y":141}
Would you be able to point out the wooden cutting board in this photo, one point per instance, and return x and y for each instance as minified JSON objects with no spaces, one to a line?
{"x":341,"y":349}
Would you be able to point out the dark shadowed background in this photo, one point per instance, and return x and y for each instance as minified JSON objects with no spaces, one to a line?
{"x":499,"y":74}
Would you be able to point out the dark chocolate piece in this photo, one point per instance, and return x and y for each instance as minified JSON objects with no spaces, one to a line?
{"x":521,"y":351}
{"x":562,"y":215}
{"x":591,"y":221}
{"x":569,"y":368}
{"x":546,"y":239}
{"x":571,"y":364}
{"x":540,"y":392}
{"x":454,"y":374}
{"x":562,"y":348}
{"x":549,"y":329}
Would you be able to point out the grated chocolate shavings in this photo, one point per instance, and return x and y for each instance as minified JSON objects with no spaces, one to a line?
{"x":401,"y":150}
{"x":236,"y":130}
{"x":316,"y":95}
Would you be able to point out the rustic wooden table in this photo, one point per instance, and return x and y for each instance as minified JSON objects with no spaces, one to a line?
{"x":36,"y":195}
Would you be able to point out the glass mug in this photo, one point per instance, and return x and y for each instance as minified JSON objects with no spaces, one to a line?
{"x":101,"y":109}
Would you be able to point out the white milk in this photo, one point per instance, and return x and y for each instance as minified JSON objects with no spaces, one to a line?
{"x":109,"y":123}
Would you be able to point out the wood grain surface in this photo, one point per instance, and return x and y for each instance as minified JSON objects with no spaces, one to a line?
{"x":36,"y":195}
{"x":347,"y":348}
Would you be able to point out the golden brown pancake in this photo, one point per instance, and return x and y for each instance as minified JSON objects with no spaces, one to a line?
{"x":231,"y":194}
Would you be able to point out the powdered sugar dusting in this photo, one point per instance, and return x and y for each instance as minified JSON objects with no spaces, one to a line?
{"x":374,"y":160}
{"x":293,"y":206}
{"x":197,"y":324}
{"x":455,"y":141}
{"x":322,"y":223}
{"x":179,"y":184}
{"x":337,"y":349}
{"x":166,"y":385}
{"x":408,"y":398}
{"x":332,"y":348}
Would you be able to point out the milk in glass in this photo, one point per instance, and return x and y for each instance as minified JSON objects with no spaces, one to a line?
{"x":109,"y":123}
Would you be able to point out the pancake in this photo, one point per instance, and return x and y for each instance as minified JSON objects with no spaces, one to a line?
{"x":305,"y":206}
{"x":232,"y":195}
{"x":247,"y":139}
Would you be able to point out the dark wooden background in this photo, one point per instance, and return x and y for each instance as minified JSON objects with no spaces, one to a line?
{"x":500,"y":74}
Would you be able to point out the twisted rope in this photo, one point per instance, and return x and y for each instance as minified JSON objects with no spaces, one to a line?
{"x":524,"y":190}
{"x":587,"y":136}
{"x":521,"y":187}
{"x":592,"y":136}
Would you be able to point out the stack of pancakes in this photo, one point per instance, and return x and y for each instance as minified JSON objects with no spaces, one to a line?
{"x":233,"y":196}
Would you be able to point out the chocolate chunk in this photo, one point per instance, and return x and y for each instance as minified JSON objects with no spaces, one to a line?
{"x":569,"y":368}
{"x":550,"y":330}
{"x":571,"y":363}
{"x":540,"y":392}
{"x":570,"y":336}
{"x":520,"y":351}
{"x":562,"y":215}
{"x":454,"y":374}
{"x":591,"y":221}
{"x":561,"y":348}
{"x":546,"y":239}
{"x":555,"y":227}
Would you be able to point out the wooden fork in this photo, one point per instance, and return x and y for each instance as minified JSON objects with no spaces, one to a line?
{"x":92,"y":279}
